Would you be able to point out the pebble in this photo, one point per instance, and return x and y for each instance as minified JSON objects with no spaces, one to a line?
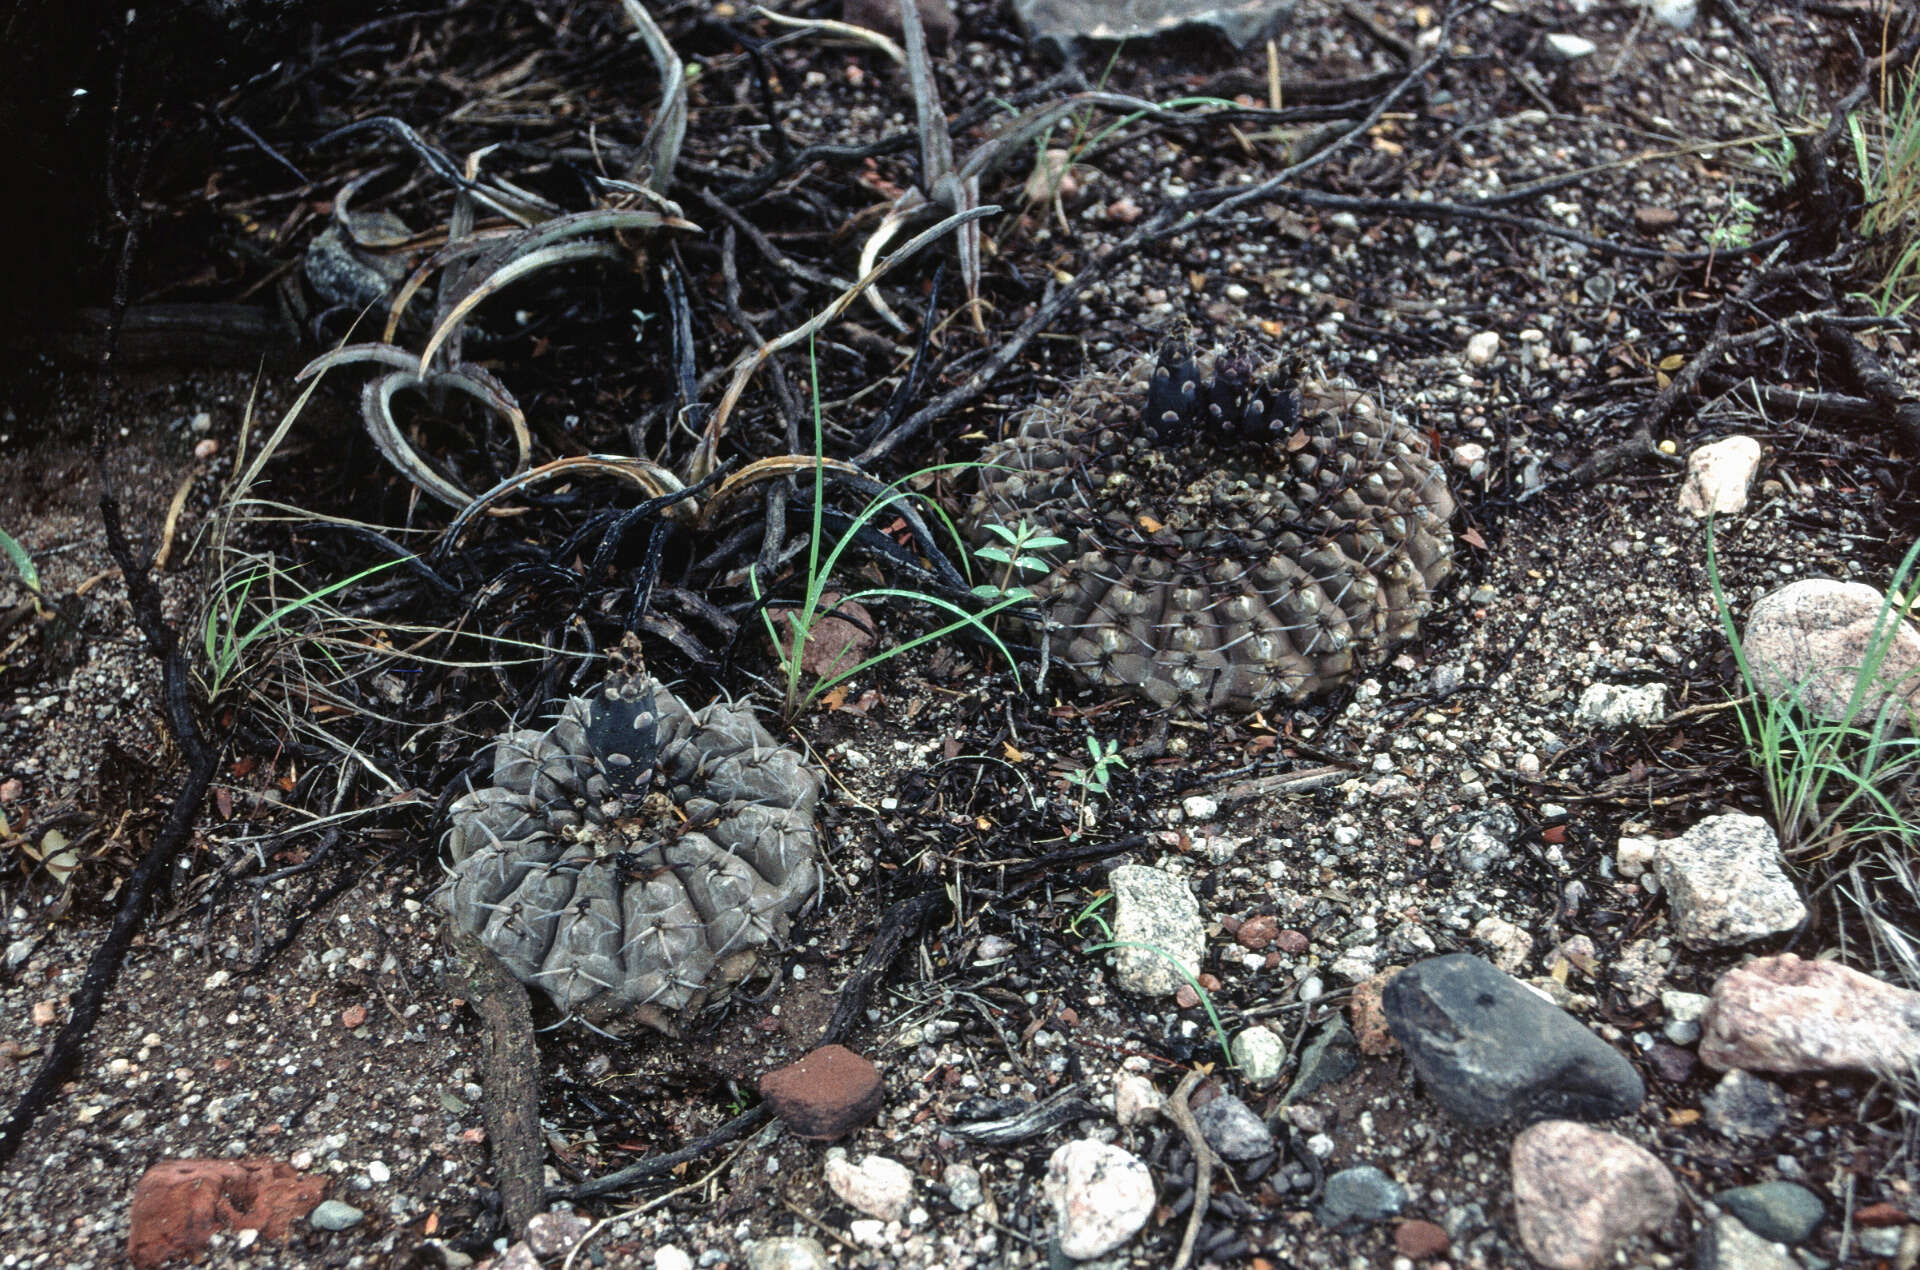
{"x":669,"y":1257}
{"x":993,"y":948}
{"x":1153,"y":907}
{"x":1257,"y":932}
{"x":1684,"y":1012}
{"x":1260,"y":1056}
{"x":1419,"y":1240}
{"x":1101,"y":1195}
{"x":825,"y":1095}
{"x":1724,"y":883}
{"x":379,"y":1172}
{"x":1482,"y":347}
{"x":964,"y":1189}
{"x":1369,"y":1017}
{"x":1361,"y":1194}
{"x":332,"y":1214}
{"x":1782,"y":1014}
{"x":1233,"y":1129}
{"x":1882,"y":1242}
{"x":1727,"y":1244}
{"x":787,"y":1252}
{"x":1135,"y":1100}
{"x":877,"y":1186}
{"x":1634,"y":856}
{"x":1743,"y":1105}
{"x":1785,"y":1212}
{"x":1812,"y":635}
{"x":1622,"y":705}
{"x":1483,"y":839}
{"x":1562,"y":47}
{"x":1510,"y":946}
{"x":555,"y":1234}
{"x":1717,"y":477}
{"x":1678,"y":14}
{"x":1490,"y":1050}
{"x":1579,"y":1192}
{"x":1199,"y":807}
{"x":1327,"y":1059}
{"x":1654,"y":219}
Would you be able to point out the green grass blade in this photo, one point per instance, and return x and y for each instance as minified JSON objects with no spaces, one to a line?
{"x":22,"y":562}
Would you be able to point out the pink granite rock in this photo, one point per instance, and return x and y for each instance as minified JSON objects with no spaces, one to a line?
{"x":1579,"y":1192}
{"x":1782,"y":1014}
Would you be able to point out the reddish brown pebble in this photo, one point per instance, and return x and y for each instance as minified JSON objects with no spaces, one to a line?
{"x":353,"y":1016}
{"x":1209,"y":982}
{"x":1369,"y":1020}
{"x":1290,"y":942}
{"x":1231,"y":925}
{"x":1186,"y":998}
{"x":1420,"y":1240}
{"x":1257,"y":932}
{"x":43,"y":1013}
{"x":825,"y":1095}
{"x":10,"y":791}
{"x":179,"y":1205}
{"x":1655,"y":218}
{"x":1881,"y":1214}
{"x":1674,"y":1064}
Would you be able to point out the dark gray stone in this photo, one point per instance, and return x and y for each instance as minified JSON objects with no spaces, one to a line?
{"x":1492,"y":1051}
{"x":1785,"y":1212}
{"x":1330,"y":1057}
{"x":1744,"y":1106}
{"x":1231,"y":1128}
{"x":1362,"y":1194}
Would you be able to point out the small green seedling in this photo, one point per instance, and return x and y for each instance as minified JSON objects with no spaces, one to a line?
{"x":1095,"y":779}
{"x":1014,"y":559}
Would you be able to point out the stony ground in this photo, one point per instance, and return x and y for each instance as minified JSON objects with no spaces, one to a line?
{"x":300,"y":1009}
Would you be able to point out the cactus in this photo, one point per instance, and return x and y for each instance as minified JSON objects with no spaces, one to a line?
{"x":637,"y":856}
{"x":1234,"y":537}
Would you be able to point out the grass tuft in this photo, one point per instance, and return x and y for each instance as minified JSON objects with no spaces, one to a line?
{"x":1888,"y":155}
{"x":1840,"y":792}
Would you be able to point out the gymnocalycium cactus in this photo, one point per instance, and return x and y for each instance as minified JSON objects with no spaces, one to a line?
{"x":638,"y":856}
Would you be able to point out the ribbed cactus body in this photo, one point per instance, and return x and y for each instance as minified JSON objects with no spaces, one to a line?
{"x":1234,"y":539}
{"x":637,"y":855}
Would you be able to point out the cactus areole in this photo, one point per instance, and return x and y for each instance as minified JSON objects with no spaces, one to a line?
{"x":638,"y":856}
{"x":1236,"y":538}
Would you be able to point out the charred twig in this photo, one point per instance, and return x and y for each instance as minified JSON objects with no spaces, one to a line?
{"x":1888,"y":394}
{"x":1639,"y":443}
{"x":761,"y":243}
{"x":511,"y":1079}
{"x":203,"y":759}
{"x":1203,"y":1161}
